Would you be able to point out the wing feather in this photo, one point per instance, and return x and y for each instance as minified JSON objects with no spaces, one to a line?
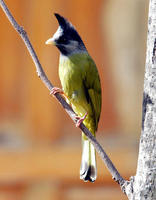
{"x":93,"y":86}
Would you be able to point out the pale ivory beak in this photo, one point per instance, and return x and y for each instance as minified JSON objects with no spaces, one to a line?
{"x":50,"y":41}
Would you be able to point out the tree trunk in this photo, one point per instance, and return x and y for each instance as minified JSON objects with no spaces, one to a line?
{"x":143,"y":185}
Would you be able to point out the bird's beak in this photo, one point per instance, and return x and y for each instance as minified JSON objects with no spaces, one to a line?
{"x":50,"y":41}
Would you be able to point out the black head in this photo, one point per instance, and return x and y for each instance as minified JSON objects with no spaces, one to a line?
{"x":66,"y":37}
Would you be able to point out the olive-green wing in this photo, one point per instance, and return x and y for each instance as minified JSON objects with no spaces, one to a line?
{"x":93,"y":85}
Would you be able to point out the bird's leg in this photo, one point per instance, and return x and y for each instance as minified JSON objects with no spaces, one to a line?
{"x":56,"y":90}
{"x":80,"y":119}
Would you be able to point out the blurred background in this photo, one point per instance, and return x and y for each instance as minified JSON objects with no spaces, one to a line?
{"x":40,"y":147}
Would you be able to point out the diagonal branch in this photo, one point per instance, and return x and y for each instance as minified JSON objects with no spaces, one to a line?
{"x":115,"y":174}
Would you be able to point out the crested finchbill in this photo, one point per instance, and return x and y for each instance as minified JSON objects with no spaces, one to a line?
{"x":81,"y":85}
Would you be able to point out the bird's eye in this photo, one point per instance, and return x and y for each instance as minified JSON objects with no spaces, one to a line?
{"x":62,"y":40}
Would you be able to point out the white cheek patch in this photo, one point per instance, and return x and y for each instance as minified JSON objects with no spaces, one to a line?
{"x":57,"y":34}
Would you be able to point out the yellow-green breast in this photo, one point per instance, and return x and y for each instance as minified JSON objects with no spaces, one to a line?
{"x":80,"y":82}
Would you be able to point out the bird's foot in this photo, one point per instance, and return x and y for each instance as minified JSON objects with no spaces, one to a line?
{"x":56,"y":90}
{"x":80,"y":119}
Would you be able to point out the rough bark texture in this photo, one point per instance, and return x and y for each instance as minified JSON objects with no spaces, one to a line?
{"x":143,"y":185}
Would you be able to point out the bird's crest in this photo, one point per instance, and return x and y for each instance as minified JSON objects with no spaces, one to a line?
{"x":64,"y":23}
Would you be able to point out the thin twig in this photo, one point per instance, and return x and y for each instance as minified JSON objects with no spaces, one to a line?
{"x":115,"y":174}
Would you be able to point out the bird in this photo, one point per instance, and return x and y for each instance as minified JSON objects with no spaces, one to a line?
{"x":81,"y":86}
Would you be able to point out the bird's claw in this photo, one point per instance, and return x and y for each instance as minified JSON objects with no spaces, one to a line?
{"x":80,"y":119}
{"x":56,"y":90}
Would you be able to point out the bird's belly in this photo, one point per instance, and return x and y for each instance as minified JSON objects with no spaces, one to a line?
{"x":78,"y":108}
{"x":78,"y":101}
{"x":73,"y":88}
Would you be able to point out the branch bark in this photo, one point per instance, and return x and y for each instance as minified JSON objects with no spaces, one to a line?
{"x":143,"y":185}
{"x":115,"y":174}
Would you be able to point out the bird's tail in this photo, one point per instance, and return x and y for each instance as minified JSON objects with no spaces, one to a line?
{"x":88,"y":170}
